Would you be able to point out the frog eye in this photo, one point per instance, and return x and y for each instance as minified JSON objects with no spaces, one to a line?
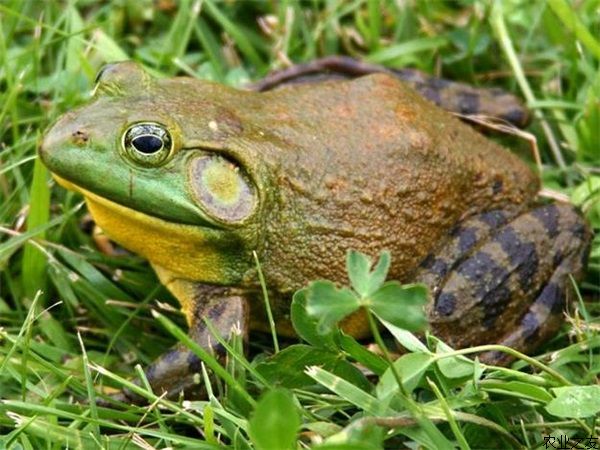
{"x":221,"y":188}
{"x":148,"y":144}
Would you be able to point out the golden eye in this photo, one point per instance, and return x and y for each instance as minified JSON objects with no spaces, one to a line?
{"x":221,"y":189}
{"x":148,"y":144}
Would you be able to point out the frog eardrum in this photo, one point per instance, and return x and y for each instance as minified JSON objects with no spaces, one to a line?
{"x":221,"y":188}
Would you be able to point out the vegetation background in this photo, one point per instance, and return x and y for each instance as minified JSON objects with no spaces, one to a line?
{"x":66,"y":309}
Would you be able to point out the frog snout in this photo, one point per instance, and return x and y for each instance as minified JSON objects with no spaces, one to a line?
{"x":65,"y":138}
{"x":52,"y":141}
{"x":63,"y":135}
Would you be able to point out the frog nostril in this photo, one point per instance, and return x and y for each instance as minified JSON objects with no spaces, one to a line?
{"x":79,"y":137}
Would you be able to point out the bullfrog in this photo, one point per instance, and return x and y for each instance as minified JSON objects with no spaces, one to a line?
{"x":196,"y":177}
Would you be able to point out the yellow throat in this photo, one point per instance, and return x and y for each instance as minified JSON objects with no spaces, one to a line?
{"x":184,"y":250}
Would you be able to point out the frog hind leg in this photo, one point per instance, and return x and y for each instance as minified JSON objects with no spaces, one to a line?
{"x":178,"y":370}
{"x":452,"y":96}
{"x":503,"y":278}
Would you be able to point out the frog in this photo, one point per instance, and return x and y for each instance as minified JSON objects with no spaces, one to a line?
{"x":203,"y":179}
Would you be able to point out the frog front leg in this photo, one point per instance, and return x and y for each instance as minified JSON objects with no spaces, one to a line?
{"x":178,"y":369}
{"x":503,"y":278}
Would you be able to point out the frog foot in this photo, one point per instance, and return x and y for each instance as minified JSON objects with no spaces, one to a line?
{"x":178,"y":372}
{"x":505,"y":278}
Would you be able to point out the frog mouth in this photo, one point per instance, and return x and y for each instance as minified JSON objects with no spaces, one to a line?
{"x":161,"y":242}
{"x":118,"y":208}
{"x":109,"y":215}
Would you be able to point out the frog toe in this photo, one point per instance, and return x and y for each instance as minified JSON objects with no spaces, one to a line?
{"x":175,"y":372}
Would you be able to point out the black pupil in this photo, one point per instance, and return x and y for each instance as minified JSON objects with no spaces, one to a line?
{"x":147,"y":144}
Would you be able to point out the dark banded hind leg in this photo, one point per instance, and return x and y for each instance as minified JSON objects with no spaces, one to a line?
{"x":505,"y":280}
{"x":450,"y":95}
{"x":178,"y":370}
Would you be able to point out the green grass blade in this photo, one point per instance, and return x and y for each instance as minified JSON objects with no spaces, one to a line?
{"x":34,"y":261}
{"x":565,"y":13}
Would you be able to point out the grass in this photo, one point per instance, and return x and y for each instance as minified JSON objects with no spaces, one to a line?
{"x":74,"y":320}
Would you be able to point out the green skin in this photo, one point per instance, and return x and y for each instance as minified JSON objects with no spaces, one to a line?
{"x":365,"y":164}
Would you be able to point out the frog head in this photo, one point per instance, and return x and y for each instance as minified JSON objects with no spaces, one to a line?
{"x":164,"y":170}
